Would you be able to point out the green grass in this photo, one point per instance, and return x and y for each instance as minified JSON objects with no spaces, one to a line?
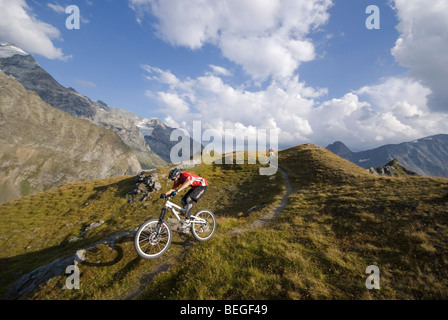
{"x":339,"y":220}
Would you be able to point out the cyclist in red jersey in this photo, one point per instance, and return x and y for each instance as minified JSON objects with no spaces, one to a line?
{"x":184,"y":180}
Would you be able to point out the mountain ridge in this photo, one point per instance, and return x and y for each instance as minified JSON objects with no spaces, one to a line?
{"x":427,"y":156}
{"x":25,"y":69}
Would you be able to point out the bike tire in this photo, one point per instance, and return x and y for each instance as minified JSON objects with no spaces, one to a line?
{"x":146,"y":242}
{"x":204,"y":232}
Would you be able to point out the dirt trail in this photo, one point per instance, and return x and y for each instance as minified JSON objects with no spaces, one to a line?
{"x":267,"y":217}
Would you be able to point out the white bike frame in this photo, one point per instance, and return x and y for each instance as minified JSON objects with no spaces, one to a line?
{"x":173,"y":207}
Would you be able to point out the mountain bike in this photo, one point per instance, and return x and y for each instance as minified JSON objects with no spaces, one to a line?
{"x":153,"y":237}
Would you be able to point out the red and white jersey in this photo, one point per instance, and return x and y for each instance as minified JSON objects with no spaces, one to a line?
{"x":197,"y":181}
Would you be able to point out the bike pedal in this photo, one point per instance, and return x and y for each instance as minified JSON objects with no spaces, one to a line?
{"x":184,"y":229}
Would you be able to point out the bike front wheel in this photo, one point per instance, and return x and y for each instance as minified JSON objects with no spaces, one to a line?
{"x":204,"y":225}
{"x":152,"y":239}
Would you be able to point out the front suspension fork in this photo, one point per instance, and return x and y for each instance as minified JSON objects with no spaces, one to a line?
{"x":161,"y":219}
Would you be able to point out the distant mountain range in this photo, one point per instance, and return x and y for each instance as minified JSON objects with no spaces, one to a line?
{"x":149,"y":138}
{"x":43,"y":147}
{"x":145,"y":142}
{"x":24,"y":68}
{"x":427,"y":156}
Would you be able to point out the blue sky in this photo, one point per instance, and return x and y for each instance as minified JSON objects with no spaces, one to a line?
{"x":309,"y":68}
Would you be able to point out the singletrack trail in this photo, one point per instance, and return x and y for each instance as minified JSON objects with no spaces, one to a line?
{"x":267,"y":217}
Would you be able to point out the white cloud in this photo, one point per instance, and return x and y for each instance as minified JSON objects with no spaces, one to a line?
{"x":18,"y":25}
{"x":162,"y":76}
{"x":396,"y":89}
{"x":56,"y":7}
{"x":174,"y":103}
{"x":423,"y":44}
{"x":220,"y":70}
{"x":392,"y":111}
{"x":267,"y":38}
{"x":283,"y":105}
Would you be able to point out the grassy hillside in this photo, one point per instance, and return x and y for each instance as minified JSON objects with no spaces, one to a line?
{"x":339,"y":220}
{"x":38,"y":229}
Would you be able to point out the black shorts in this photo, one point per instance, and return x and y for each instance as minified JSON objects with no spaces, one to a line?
{"x":194,"y":194}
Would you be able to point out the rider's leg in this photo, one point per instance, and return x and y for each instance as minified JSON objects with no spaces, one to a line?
{"x":187,"y":203}
{"x":188,"y":207}
{"x":192,"y":196}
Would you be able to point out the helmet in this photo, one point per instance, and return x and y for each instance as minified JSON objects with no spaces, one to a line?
{"x":174,"y":173}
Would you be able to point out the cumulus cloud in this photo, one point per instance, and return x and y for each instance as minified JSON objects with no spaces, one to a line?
{"x":392,"y":111}
{"x":266,"y":38}
{"x":283,"y":105}
{"x":423,"y":44}
{"x":18,"y":25}
{"x":269,"y":40}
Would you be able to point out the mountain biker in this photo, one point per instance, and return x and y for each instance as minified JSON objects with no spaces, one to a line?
{"x":184,"y":180}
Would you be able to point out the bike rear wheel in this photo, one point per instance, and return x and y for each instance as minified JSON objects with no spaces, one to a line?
{"x":204,"y":226}
{"x":152,"y":239}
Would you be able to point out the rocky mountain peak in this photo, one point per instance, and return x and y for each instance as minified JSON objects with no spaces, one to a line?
{"x":339,"y":148}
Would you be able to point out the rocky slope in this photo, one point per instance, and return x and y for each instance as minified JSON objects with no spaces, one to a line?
{"x":24,"y":68}
{"x":43,"y":147}
{"x":427,"y":156}
{"x":392,"y":169}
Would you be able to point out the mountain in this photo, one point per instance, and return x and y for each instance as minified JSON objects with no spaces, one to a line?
{"x":43,"y":147}
{"x":427,"y":156}
{"x":158,"y":136}
{"x":24,"y":68}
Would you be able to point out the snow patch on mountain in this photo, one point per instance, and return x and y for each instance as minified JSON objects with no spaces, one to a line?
{"x":8,"y":50}
{"x":147,"y":125}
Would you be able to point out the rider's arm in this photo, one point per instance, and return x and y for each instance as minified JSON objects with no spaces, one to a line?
{"x":186,"y":184}
{"x":183,"y":186}
{"x":169,"y":192}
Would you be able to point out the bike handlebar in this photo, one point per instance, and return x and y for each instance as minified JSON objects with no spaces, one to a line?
{"x":167,"y":197}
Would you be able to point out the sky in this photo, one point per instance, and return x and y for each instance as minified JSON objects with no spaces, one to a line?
{"x":318,"y":71}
